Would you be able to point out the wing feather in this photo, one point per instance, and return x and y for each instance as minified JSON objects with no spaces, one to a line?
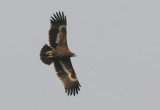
{"x":67,"y":75}
{"x":58,"y":29}
{"x":60,"y":15}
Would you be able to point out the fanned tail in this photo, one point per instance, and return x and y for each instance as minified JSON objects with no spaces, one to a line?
{"x":44,"y":57}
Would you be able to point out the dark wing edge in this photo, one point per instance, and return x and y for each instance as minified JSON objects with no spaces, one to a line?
{"x":57,"y":20}
{"x":67,"y":75}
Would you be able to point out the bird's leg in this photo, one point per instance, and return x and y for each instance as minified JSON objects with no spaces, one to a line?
{"x":50,"y":53}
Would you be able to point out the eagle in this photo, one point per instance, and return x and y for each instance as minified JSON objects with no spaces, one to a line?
{"x":59,"y":54}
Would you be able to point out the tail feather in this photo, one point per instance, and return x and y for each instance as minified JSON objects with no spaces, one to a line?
{"x":44,"y":57}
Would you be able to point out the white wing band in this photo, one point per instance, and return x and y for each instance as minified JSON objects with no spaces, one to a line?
{"x":69,"y":74}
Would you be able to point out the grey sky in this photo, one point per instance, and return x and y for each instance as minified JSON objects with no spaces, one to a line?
{"x":118,"y":48}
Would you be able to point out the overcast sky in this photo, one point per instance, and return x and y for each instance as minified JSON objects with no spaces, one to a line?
{"x":118,"y":48}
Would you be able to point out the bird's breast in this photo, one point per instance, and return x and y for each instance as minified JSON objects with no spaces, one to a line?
{"x":63,"y":52}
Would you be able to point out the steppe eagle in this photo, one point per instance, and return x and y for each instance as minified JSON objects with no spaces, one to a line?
{"x":59,"y":54}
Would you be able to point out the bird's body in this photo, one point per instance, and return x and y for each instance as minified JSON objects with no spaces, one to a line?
{"x":59,"y":54}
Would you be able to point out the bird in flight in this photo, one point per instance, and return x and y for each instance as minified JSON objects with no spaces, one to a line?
{"x":59,"y":54}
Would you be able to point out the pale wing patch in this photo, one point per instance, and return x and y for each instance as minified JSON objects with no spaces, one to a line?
{"x":58,"y":38}
{"x":69,"y":73}
{"x":60,"y":35}
{"x":62,"y":26}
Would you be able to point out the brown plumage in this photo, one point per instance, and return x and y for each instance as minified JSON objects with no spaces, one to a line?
{"x":59,"y":54}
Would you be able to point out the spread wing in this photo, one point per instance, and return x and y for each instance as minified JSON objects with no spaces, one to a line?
{"x":57,"y":32}
{"x":67,"y":75}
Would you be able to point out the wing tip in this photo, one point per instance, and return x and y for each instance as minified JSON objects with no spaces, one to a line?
{"x":58,"y":17}
{"x":74,"y":90}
